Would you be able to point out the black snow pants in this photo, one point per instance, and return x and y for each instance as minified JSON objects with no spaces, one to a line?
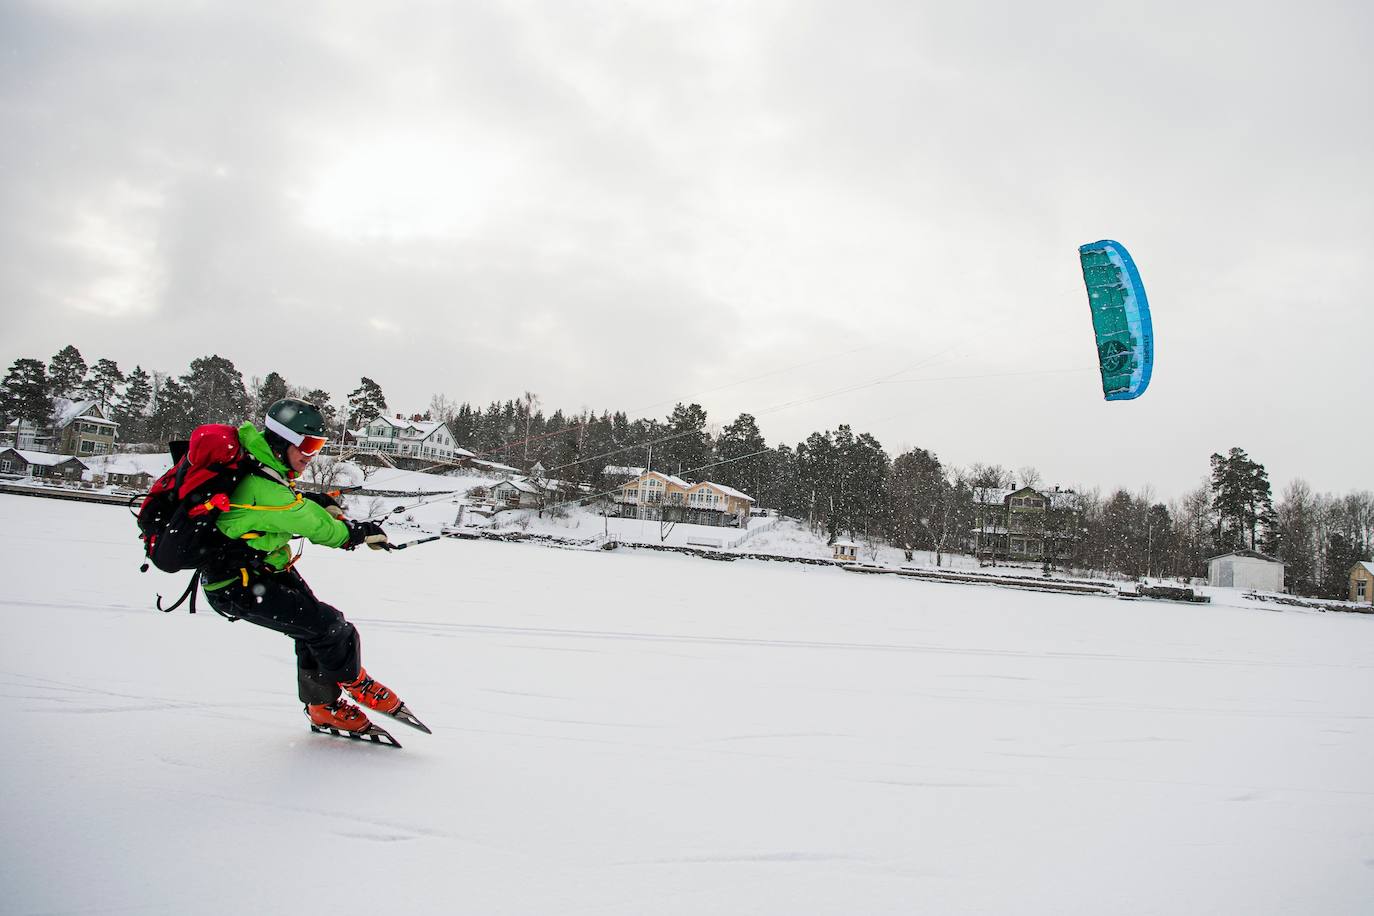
{"x":327,"y":645}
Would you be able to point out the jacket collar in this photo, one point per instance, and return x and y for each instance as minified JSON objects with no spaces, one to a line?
{"x":256,"y":443}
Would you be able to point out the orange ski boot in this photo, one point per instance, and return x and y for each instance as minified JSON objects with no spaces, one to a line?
{"x":345,"y":720}
{"x":379,"y":698}
{"x":371,"y":694}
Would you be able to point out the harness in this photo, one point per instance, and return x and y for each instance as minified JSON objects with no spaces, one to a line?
{"x":254,"y":562}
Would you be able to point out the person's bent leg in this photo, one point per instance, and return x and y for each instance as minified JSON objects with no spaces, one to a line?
{"x":327,"y":646}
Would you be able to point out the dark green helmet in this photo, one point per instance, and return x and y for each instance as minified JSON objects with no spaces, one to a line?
{"x":296,"y":422}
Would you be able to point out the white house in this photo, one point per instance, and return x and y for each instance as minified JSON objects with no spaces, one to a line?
{"x":516,"y":493}
{"x":414,"y":437}
{"x":1246,"y":569}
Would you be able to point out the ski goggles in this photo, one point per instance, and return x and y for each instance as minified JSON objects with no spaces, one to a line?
{"x":308,"y":444}
{"x":311,"y":445}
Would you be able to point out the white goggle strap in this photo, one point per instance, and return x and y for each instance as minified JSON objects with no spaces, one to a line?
{"x":290,"y":435}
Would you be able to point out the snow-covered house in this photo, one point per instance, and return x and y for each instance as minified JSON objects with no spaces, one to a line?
{"x":73,"y":428}
{"x":1025,"y":523}
{"x":1362,"y":582}
{"x":489,"y":467}
{"x":412,"y":437}
{"x":132,"y":471}
{"x":846,"y":551}
{"x":516,"y":493}
{"x":1246,"y":569}
{"x":655,"y":495}
{"x":125,"y":474}
{"x":730,"y":504}
{"x":25,"y":463}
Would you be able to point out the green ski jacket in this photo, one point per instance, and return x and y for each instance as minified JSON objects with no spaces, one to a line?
{"x":266,"y":512}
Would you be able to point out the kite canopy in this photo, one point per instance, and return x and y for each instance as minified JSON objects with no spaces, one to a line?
{"x":1121,"y":319}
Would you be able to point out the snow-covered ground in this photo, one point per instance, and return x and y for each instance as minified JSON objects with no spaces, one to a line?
{"x":783,"y":537}
{"x":642,"y":733}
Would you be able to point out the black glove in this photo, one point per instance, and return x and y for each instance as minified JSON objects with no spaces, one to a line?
{"x":369,"y":533}
{"x":326,"y":502}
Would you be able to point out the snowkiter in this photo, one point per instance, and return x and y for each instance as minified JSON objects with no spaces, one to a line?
{"x":266,"y":513}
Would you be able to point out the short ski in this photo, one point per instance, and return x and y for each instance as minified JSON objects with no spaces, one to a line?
{"x":372,"y":733}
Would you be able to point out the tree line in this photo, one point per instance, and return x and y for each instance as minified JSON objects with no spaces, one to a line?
{"x":839,"y":481}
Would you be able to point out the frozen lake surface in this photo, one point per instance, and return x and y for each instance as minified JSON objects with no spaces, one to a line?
{"x":638,"y":733}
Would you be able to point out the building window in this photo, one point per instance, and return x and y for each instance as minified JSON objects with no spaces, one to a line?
{"x":1360,"y":589}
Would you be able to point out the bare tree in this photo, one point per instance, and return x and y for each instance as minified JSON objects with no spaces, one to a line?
{"x":443,"y":409}
{"x":531,"y":399}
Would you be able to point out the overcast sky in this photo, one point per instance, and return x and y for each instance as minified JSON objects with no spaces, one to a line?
{"x":816,"y":212}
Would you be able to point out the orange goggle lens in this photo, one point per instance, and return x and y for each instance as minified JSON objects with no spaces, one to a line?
{"x":311,"y":445}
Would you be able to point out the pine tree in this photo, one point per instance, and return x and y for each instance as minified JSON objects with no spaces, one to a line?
{"x":320,"y":398}
{"x":131,"y":411}
{"x":818,"y":479}
{"x":742,"y":454}
{"x":216,"y":392}
{"x":595,"y":443}
{"x":916,"y":492}
{"x":24,"y":395}
{"x":464,"y":426}
{"x":271,"y":390}
{"x":103,"y":384}
{"x":365,"y":403}
{"x":1242,"y":498}
{"x":66,"y":372}
{"x":688,"y":448}
{"x":779,"y":483}
{"x":172,"y":418}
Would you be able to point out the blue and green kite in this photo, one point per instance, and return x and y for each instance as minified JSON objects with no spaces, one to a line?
{"x":1121,"y":319}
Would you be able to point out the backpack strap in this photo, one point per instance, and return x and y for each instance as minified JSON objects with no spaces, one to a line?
{"x":262,"y":470}
{"x":189,"y":593}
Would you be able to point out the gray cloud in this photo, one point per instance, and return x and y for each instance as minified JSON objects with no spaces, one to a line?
{"x":628,"y":204}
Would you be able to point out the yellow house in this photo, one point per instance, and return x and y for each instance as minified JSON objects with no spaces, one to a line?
{"x":651,"y":489}
{"x":1362,"y":582}
{"x":656,"y":495}
{"x":717,"y":497}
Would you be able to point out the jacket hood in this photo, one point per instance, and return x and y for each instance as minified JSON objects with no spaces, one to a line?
{"x":256,"y":443}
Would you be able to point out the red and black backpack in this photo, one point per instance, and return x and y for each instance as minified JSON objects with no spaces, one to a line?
{"x":177,"y":518}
